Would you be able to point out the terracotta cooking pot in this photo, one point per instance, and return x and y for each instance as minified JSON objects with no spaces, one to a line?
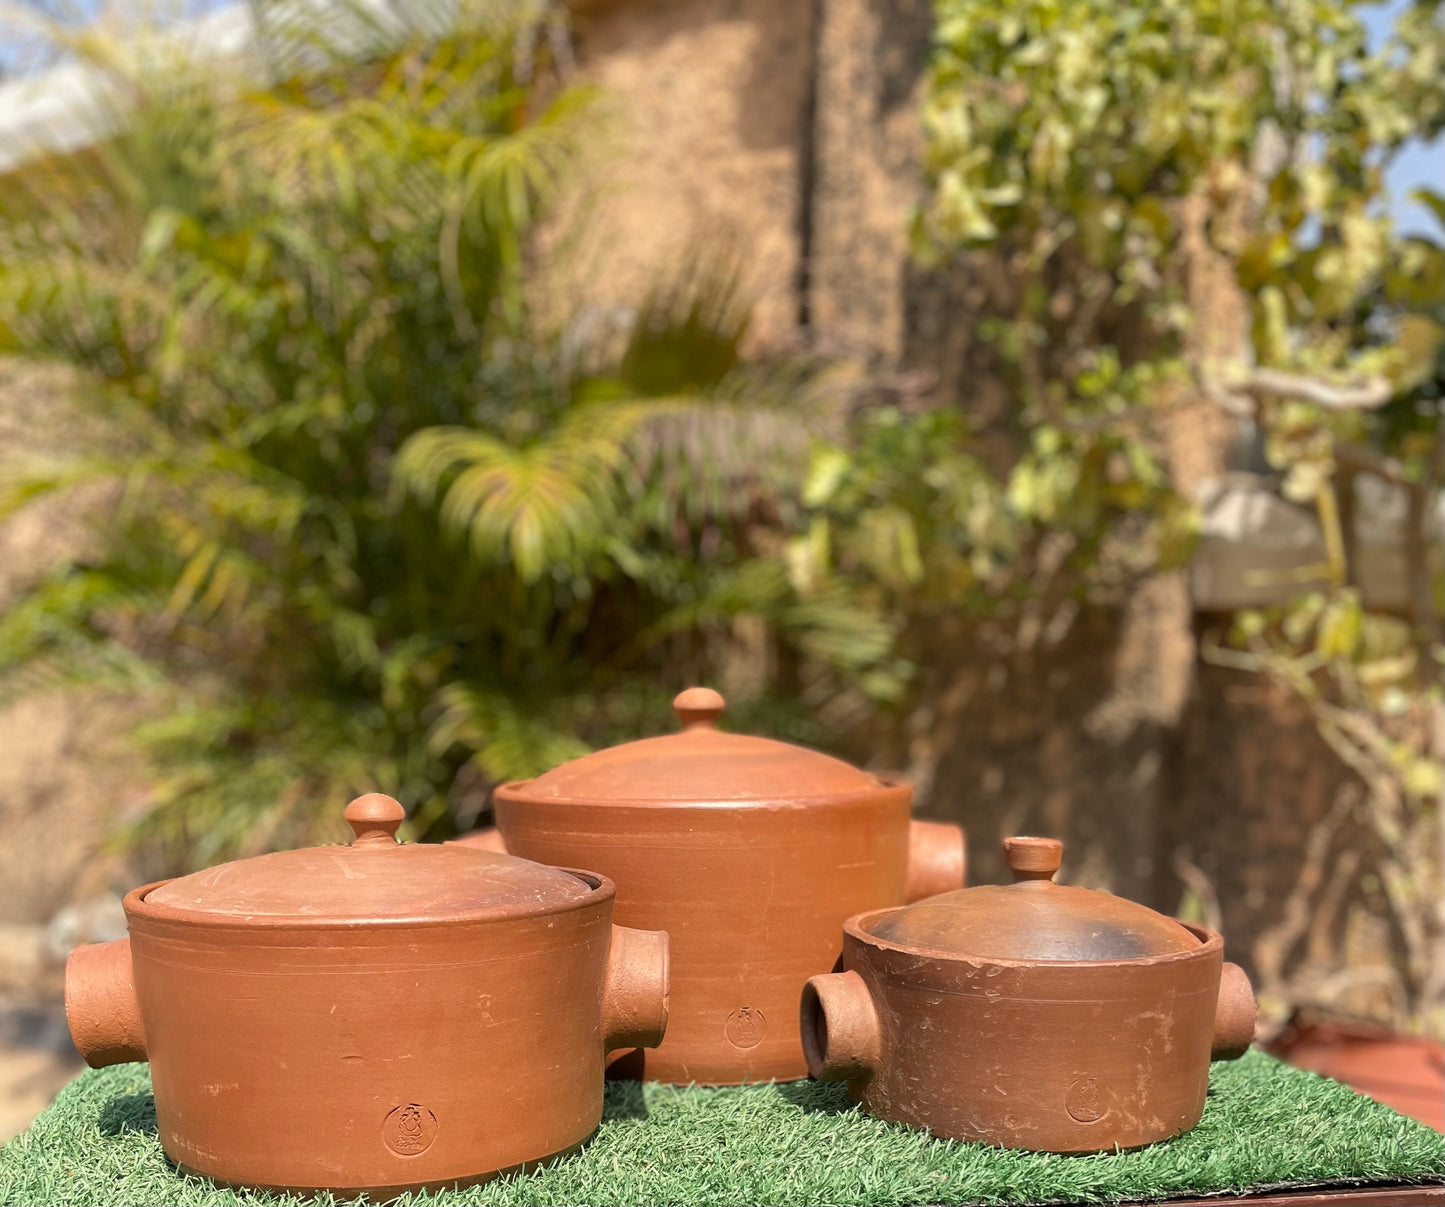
{"x":750,"y":853}
{"x":375,"y":1017}
{"x":1029,"y":1015}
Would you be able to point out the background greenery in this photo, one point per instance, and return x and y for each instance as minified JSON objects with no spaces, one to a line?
{"x":1073,"y":145}
{"x":370,"y":520}
{"x":375,"y":520}
{"x":381,"y":511}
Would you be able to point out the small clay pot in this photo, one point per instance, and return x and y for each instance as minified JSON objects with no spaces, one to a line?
{"x":372,"y":1018}
{"x":1030,"y":1015}
{"x":750,"y":853}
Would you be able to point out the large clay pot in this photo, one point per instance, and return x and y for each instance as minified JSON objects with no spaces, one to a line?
{"x":377,"y":1017}
{"x":750,"y":853}
{"x":1029,"y":1015}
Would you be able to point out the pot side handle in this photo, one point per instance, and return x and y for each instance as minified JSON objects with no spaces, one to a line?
{"x":842,"y":1039}
{"x":1234,"y":1016}
{"x":101,"y":1004}
{"x":489,"y":839}
{"x":635,"y":992}
{"x":937,"y":858}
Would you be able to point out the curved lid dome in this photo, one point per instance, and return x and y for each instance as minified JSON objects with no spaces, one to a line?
{"x":700,"y":765}
{"x":373,"y":878}
{"x":1033,"y":918}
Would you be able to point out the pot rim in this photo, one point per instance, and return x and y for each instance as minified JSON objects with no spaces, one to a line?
{"x":137,"y":908}
{"x":1209,"y":941}
{"x":515,"y":792}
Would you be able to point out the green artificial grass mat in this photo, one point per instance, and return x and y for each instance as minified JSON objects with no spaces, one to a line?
{"x":1266,"y":1124}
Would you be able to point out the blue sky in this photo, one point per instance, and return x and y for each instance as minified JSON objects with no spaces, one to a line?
{"x":1419,"y":163}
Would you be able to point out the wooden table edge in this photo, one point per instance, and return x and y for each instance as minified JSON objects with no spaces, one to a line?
{"x":1373,"y":1194}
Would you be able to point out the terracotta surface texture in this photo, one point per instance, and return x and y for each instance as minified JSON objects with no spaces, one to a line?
{"x":371,"y":1018}
{"x":1033,"y":918}
{"x":1079,"y":1022}
{"x":750,"y":853}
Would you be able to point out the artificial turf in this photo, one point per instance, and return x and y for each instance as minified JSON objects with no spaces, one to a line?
{"x":1265,"y":1124}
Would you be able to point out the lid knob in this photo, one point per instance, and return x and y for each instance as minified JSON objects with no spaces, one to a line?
{"x":374,"y":819}
{"x":1033,"y":858}
{"x":698,"y":706}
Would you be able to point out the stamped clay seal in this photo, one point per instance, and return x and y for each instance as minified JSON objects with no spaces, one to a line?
{"x":1084,"y":1101}
{"x":409,"y":1130}
{"x":744,"y":1027}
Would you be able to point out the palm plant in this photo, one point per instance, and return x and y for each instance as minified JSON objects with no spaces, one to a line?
{"x":371,"y":525}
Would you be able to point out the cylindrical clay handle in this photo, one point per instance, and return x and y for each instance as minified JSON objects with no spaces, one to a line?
{"x":842,"y":1039}
{"x":937,"y":857}
{"x":1234,"y":1015}
{"x":101,"y":1004}
{"x":635,"y":994}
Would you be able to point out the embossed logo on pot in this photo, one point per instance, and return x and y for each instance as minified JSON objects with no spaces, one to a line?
{"x":1085,"y":1101}
{"x":409,"y":1130}
{"x":745,"y":1027}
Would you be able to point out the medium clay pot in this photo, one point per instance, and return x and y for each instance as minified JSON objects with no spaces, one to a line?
{"x":1030,"y":1015}
{"x":750,"y":853}
{"x":378,"y":1017}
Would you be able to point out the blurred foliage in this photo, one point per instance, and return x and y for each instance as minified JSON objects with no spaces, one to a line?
{"x":367,"y":523}
{"x":1069,"y":138}
{"x":1073,"y":149}
{"x":926,"y":529}
{"x":373,"y":523}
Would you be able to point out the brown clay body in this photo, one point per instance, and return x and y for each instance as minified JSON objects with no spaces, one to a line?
{"x":1048,"y":1053}
{"x":379,"y":1044}
{"x":750,"y":854}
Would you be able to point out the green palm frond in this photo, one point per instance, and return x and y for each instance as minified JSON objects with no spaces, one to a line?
{"x":548,"y":500}
{"x":372,"y":522}
{"x":501,"y":183}
{"x":539,"y":504}
{"x":688,"y":331}
{"x":276,"y":774}
{"x":834,"y":627}
{"x":54,"y":632}
{"x":506,"y":741}
{"x":39,"y":479}
{"x":715,"y":457}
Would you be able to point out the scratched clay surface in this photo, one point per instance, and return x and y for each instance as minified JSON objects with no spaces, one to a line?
{"x":750,"y":853}
{"x":1105,"y":1041}
{"x":373,"y":1018}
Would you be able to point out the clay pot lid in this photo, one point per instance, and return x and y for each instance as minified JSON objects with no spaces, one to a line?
{"x":1033,"y":918}
{"x":375,"y":877}
{"x":699,"y":765}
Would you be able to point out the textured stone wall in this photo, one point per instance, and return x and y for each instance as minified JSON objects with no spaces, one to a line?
{"x":65,"y":776}
{"x":1058,"y":725}
{"x":712,"y":101}
{"x":867,"y":144}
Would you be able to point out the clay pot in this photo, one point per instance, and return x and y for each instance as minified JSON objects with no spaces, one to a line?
{"x":378,"y":1017}
{"x":1029,"y":1015}
{"x":750,"y":853}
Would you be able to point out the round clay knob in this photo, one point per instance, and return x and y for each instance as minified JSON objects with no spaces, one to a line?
{"x":698,"y":706}
{"x":1033,"y":858}
{"x":374,"y":819}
